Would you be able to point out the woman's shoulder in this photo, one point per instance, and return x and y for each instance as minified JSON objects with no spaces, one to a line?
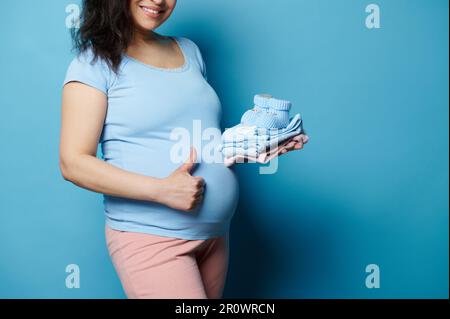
{"x":87,"y":57}
{"x":87,"y":68}
{"x":193,"y":50}
{"x":186,"y":41}
{"x":190,"y":46}
{"x":87,"y":60}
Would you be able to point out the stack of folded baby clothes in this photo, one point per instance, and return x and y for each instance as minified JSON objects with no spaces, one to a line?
{"x":264,"y":131}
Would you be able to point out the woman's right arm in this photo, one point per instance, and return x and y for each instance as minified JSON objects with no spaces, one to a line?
{"x":83,"y":114}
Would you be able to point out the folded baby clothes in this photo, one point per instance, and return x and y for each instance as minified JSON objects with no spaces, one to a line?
{"x":245,"y":140}
{"x":261,"y":158}
{"x":242,"y":132}
{"x":263,"y":131}
{"x":255,"y":148}
{"x":267,"y":156}
{"x":232,"y":151}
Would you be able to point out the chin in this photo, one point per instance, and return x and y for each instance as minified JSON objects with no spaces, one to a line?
{"x":147,"y":26}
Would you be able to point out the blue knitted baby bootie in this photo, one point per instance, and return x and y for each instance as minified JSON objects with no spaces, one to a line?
{"x":277,"y":116}
{"x":261,"y":104}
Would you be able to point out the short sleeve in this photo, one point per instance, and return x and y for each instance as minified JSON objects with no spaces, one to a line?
{"x":83,"y":69}
{"x":201,"y":62}
{"x":196,"y":54}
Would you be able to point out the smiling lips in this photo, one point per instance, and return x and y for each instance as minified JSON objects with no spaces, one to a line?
{"x":151,"y":12}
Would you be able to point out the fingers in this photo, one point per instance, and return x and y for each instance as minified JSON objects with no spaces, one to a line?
{"x":198,"y":190}
{"x":298,"y":146}
{"x":295,"y":146}
{"x":199,"y":185}
{"x":298,"y":137}
{"x":200,"y":193}
{"x":195,"y":203}
{"x":292,"y":146}
{"x":200,"y":181}
{"x":190,"y":162}
{"x":193,"y":155}
{"x":305,"y":139}
{"x":301,"y":138}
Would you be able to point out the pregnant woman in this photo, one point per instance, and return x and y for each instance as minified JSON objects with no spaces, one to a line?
{"x":167,"y":223}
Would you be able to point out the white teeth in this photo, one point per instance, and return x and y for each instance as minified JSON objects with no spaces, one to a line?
{"x":150,"y":10}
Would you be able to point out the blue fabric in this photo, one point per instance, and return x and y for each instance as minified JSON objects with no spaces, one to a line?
{"x":261,"y":104}
{"x":232,"y":151}
{"x":277,"y":115}
{"x":145,"y":103}
{"x":240,"y":133}
{"x":252,"y":140}
{"x":256,"y":148}
{"x":268,"y":119}
{"x":250,"y":116}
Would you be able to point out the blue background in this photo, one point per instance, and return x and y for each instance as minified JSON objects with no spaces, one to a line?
{"x":370,"y":187}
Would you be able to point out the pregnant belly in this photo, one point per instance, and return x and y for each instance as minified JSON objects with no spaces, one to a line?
{"x":218,"y":205}
{"x":221,"y":191}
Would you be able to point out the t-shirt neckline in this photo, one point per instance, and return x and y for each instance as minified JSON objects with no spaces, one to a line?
{"x":182,"y":68}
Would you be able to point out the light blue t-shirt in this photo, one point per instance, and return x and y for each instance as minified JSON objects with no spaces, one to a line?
{"x":145,"y":104}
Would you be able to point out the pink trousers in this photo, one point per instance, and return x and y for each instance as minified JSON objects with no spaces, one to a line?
{"x":151,"y":266}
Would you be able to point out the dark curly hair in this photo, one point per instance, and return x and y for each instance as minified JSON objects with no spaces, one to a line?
{"x":106,"y":26}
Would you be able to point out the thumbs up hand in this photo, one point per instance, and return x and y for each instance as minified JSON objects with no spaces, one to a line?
{"x":182,"y":190}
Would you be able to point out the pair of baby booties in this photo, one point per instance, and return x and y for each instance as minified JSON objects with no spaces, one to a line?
{"x":268,"y":112}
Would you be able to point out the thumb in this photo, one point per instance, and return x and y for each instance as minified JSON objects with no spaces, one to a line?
{"x":190,"y":162}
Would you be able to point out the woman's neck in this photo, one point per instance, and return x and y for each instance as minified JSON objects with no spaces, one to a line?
{"x":145,"y":37}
